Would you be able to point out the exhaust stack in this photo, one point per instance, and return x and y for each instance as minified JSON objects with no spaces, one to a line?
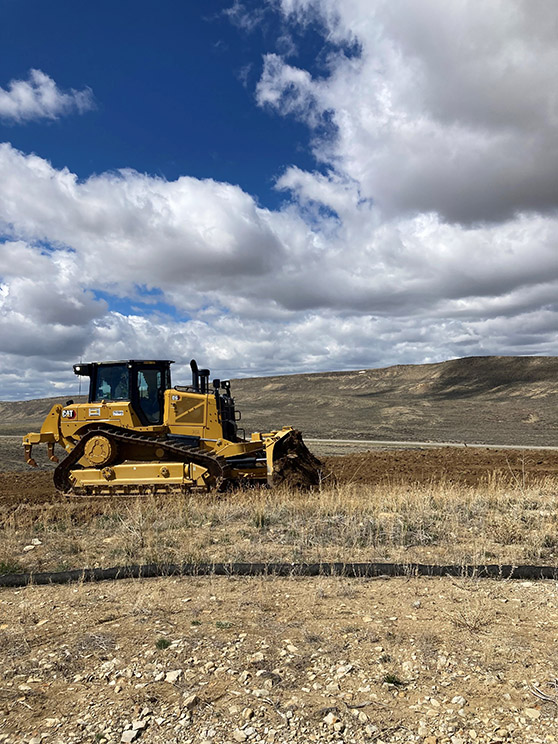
{"x":195,"y":375}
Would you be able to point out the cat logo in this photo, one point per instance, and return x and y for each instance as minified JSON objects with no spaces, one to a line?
{"x":69,"y":414}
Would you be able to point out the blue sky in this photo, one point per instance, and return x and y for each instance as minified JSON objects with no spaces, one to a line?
{"x":173,"y":86}
{"x":275,"y":186}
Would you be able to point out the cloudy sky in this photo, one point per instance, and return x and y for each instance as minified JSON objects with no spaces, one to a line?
{"x":275,"y":186}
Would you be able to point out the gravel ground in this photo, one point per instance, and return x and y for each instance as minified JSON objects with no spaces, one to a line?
{"x":219,"y":660}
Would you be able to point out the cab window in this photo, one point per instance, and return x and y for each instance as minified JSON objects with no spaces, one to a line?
{"x":112,"y":383}
{"x":149,"y":388}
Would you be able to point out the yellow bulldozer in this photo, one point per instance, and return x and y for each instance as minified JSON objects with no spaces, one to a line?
{"x":137,"y":434}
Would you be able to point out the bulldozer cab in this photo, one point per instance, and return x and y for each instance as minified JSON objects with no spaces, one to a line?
{"x":142,"y":383}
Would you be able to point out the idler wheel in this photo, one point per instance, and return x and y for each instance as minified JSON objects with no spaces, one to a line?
{"x":99,"y":450}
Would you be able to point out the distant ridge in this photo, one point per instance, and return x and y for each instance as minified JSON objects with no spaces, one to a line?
{"x":492,"y":400}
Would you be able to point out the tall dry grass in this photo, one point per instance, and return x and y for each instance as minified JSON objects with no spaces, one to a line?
{"x":498,"y":522}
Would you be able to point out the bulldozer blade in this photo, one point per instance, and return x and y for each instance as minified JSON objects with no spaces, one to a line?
{"x":290,"y":462}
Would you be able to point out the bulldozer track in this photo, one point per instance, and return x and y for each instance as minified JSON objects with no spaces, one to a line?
{"x":215,"y":464}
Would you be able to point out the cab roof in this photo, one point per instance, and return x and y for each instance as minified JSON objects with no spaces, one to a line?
{"x":85,"y":368}
{"x":132,"y":361}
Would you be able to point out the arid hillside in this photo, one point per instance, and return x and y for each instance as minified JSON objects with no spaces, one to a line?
{"x":502,"y":400}
{"x":498,"y":400}
{"x":19,"y":417}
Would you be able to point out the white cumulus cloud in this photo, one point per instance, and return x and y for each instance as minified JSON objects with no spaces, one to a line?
{"x":39,"y":97}
{"x":446,"y":107}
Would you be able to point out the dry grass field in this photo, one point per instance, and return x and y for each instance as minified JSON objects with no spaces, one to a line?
{"x":492,"y":507}
{"x":431,"y":505}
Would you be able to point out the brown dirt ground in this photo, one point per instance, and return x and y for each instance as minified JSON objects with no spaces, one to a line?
{"x":467,"y":466}
{"x":393,"y":661}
